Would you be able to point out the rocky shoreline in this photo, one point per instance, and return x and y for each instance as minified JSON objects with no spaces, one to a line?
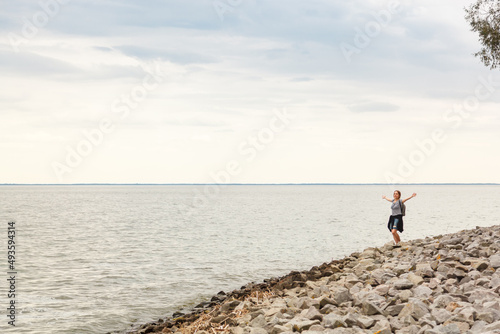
{"x":443,"y":284}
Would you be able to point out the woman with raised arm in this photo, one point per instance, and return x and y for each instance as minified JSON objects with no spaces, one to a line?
{"x":396,"y":219}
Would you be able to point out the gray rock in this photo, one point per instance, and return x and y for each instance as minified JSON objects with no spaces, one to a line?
{"x":315,"y":328}
{"x":234,"y":330}
{"x":415,"y":308}
{"x":364,"y":322}
{"x":394,"y":292}
{"x":441,"y":315}
{"x":382,"y":275}
{"x":279,"y":329}
{"x":427,"y":320}
{"x":467,"y":314}
{"x":396,"y":324}
{"x":480,"y":265}
{"x":277,"y":319}
{"x":495,"y":261}
{"x":371,"y":297}
{"x":365,"y":265}
{"x":313,"y":314}
{"x":291,"y":301}
{"x":434,"y":282}
{"x":415,"y":279}
{"x":422,"y":292}
{"x":341,"y":295}
{"x":382,"y":326}
{"x":256,"y":313}
{"x":448,"y":329}
{"x":244,"y":320}
{"x":278,"y":303}
{"x":355,"y":319}
{"x":370,"y":253}
{"x":486,"y":316}
{"x":325,"y":300}
{"x":413,"y":329}
{"x":493,"y":327}
{"x":426,"y":329}
{"x":356,"y":288}
{"x":351,"y":319}
{"x":451,"y":241}
{"x":467,"y":287}
{"x":258,"y":330}
{"x":405,"y":295}
{"x":443,"y":268}
{"x":394,"y":310}
{"x":443,"y":301}
{"x":478,"y":327}
{"x":474,"y":274}
{"x":452,"y":306}
{"x":408,"y":320}
{"x":306,"y":302}
{"x":483,"y":281}
{"x":298,"y":325}
{"x":230,"y":306}
{"x":456,"y":273}
{"x":370,"y":308}
{"x":383,"y":289}
{"x":450,"y":286}
{"x":482,"y":295}
{"x":424,"y":269}
{"x":259,"y":321}
{"x":494,"y":282}
{"x":335,"y":269}
{"x":492,"y":305}
{"x":273,"y":311}
{"x":327,"y":309}
{"x":463,"y":327}
{"x":401,"y":269}
{"x":341,"y":331}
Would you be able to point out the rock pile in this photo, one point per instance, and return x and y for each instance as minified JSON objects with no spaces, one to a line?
{"x":445,"y":284}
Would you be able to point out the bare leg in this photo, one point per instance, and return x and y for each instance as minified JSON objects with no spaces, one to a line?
{"x":395,"y":235}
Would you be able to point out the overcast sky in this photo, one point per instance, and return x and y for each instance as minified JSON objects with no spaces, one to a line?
{"x":244,"y":91}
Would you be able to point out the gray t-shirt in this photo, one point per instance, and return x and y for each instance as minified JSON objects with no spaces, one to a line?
{"x":396,"y":208}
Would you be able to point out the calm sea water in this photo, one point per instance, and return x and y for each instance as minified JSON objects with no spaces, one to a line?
{"x":94,"y":259}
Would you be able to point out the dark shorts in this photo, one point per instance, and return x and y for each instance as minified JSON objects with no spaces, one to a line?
{"x":395,"y":223}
